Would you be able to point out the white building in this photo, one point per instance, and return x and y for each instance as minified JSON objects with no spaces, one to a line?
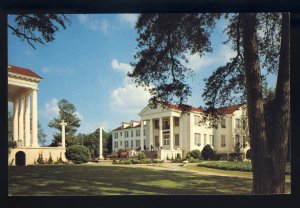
{"x":23,"y":94}
{"x":169,"y":132}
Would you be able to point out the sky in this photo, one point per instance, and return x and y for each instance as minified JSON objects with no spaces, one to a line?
{"x":87,"y":64}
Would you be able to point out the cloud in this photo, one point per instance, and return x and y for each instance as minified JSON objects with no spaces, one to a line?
{"x":56,"y":70}
{"x":223,"y":55}
{"x":50,"y":109}
{"x":121,"y":67}
{"x":127,"y":98}
{"x":94,"y":24}
{"x":131,"y":19}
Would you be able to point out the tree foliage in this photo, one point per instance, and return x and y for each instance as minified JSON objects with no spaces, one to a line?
{"x":78,"y":154}
{"x":41,"y":135}
{"x":67,"y":112}
{"x":38,"y":28}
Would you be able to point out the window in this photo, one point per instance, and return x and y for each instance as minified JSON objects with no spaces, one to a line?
{"x":176,"y":121}
{"x":176,"y":139}
{"x":223,"y":123}
{"x":237,"y":123}
{"x":137,"y":133}
{"x":197,"y":139}
{"x":156,"y":125}
{"x":197,"y":120}
{"x":205,"y":141}
{"x":126,"y":143}
{"x":120,"y":134}
{"x":137,"y":143}
{"x":223,"y":141}
{"x":120,"y":143}
{"x":166,"y":140}
{"x":116,"y":144}
{"x":131,"y":143}
{"x":131,"y":133}
{"x":116,"y":135}
{"x":126,"y":134}
{"x":211,"y":138}
{"x":156,"y":141}
{"x":166,"y":126}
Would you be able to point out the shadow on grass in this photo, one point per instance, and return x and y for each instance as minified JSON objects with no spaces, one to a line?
{"x":107,"y":180}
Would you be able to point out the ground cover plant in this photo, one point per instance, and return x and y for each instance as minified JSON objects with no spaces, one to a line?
{"x":239,"y":166}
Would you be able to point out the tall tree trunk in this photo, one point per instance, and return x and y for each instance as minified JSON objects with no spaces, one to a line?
{"x":261,"y":159}
{"x":280,"y":114}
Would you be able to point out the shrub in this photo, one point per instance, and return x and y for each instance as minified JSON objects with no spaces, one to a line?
{"x":116,"y":161}
{"x":249,"y":154}
{"x":195,"y":153}
{"x":207,"y":152}
{"x":141,"y":156}
{"x":40,"y":160}
{"x":50,"y":160}
{"x":135,"y":161}
{"x":12,"y":144}
{"x":126,"y":162}
{"x":78,"y":154}
{"x":188,"y":156}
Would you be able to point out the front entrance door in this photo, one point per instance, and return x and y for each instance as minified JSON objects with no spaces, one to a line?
{"x":20,"y":158}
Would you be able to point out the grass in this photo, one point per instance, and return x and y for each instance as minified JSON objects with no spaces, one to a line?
{"x":236,"y":166}
{"x":117,"y":180}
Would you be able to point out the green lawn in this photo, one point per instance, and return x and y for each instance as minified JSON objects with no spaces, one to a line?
{"x":112,"y":180}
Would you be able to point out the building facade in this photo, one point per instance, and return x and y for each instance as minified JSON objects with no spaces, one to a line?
{"x":171,"y":133}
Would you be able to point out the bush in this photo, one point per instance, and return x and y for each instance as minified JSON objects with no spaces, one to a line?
{"x":141,"y":156}
{"x":12,"y":144}
{"x":249,"y":154}
{"x":135,"y":161}
{"x":40,"y":160}
{"x":207,"y":153}
{"x":50,"y":160}
{"x":235,"y":156}
{"x":78,"y":154}
{"x":188,"y":156}
{"x":195,"y":153}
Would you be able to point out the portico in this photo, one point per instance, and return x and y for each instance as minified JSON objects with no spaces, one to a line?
{"x":22,"y":92}
{"x":163,"y":129}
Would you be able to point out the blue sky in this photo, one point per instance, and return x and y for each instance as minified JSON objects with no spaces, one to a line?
{"x":87,"y":65}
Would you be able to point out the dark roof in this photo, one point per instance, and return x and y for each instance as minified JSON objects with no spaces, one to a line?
{"x":177,"y":107}
{"x":128,"y":127}
{"x":22,"y":71}
{"x":229,"y":109}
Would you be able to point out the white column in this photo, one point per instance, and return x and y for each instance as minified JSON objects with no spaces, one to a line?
{"x":27,"y":120}
{"x":171,"y":132}
{"x":150,"y":135}
{"x":34,"y":120}
{"x":160,"y":132}
{"x":142,"y":135}
{"x":63,"y":133}
{"x":21,"y":120}
{"x":100,"y":143}
{"x":16,"y":120}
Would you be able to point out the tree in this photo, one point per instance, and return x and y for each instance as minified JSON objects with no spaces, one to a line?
{"x":67,"y":112}
{"x":164,"y":41}
{"x":41,"y":135}
{"x":38,"y":28}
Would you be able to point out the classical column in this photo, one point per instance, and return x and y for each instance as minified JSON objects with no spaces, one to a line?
{"x":21,"y":120}
{"x":160,"y":132}
{"x":100,"y":143}
{"x":63,"y":133}
{"x":27,"y":120}
{"x":34,"y":120}
{"x":151,"y":134}
{"x":171,"y":132}
{"x":16,"y":120}
{"x":142,"y":135}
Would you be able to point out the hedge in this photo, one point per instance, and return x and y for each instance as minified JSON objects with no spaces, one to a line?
{"x":78,"y":154}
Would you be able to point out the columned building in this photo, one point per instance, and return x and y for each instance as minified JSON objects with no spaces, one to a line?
{"x":23,"y":94}
{"x":171,"y":133}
